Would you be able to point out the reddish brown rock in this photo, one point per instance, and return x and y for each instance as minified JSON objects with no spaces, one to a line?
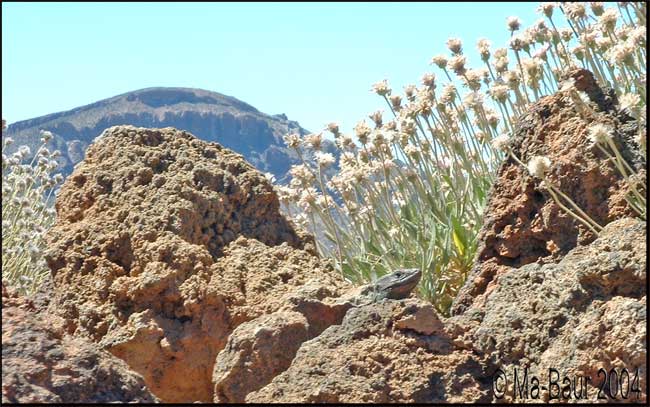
{"x":163,"y":245}
{"x":391,"y":351}
{"x":41,"y":364}
{"x":523,"y":224}
{"x":256,"y":352}
{"x":581,"y":314}
{"x":577,"y":316}
{"x":171,"y":253}
{"x":260,"y":349}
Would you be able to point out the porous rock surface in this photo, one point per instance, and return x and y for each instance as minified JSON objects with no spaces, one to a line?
{"x":171,"y":253}
{"x":163,"y":245}
{"x":545,"y":292}
{"x":389,"y":352}
{"x":41,"y":364}
{"x":522,"y":222}
{"x":577,"y":316}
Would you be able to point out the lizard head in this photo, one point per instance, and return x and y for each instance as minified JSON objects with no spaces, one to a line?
{"x":400,"y":283}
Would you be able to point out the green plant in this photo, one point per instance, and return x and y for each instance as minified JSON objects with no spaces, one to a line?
{"x":27,"y":212}
{"x":410,"y":190}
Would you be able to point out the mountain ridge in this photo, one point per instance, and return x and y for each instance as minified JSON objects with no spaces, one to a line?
{"x":209,"y":115}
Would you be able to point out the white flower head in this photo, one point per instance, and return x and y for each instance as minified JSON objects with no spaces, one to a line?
{"x":333,"y":128}
{"x":455,"y":45}
{"x":440,"y":61}
{"x":599,"y":133}
{"x":629,"y":102}
{"x":538,"y":166}
{"x":642,"y":139}
{"x":513,"y":23}
{"x":324,"y":159}
{"x":24,"y":151}
{"x":46,"y":136}
{"x":381,"y":88}
{"x":314,"y":140}
{"x":501,"y":142}
{"x":292,"y":140}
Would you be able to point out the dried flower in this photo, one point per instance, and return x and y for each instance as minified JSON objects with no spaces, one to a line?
{"x":501,"y":142}
{"x":518,"y":43}
{"x":292,"y":140}
{"x":538,"y":166}
{"x":599,"y":133}
{"x":457,"y":64}
{"x":428,"y":79}
{"x":455,"y":45}
{"x":362,"y":131}
{"x":46,"y":136}
{"x":440,"y":61}
{"x":513,"y":23}
{"x":500,"y":53}
{"x":547,"y":8}
{"x":492,"y":119}
{"x":566,"y":34}
{"x":395,"y":102}
{"x":410,"y":91}
{"x":314,"y":140}
{"x":333,"y":128}
{"x":412,"y":151}
{"x":301,"y":174}
{"x":608,"y":19}
{"x":629,"y":103}
{"x":307,"y":198}
{"x":24,"y":151}
{"x":377,"y":118}
{"x":381,"y":88}
{"x":597,"y":8}
{"x":448,"y":94}
{"x":575,"y":10}
{"x":472,"y":79}
{"x":473,"y":100}
{"x":483,"y":46}
{"x":578,"y":51}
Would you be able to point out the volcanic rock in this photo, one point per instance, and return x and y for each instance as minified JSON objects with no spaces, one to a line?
{"x":41,"y":364}
{"x":523,"y":224}
{"x":163,"y":245}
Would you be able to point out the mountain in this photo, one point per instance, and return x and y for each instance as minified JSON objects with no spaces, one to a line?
{"x":208,"y":115}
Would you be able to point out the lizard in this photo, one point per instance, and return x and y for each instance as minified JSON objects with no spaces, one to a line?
{"x":394,"y":286}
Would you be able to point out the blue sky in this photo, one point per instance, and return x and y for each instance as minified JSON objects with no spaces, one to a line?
{"x":314,"y":62}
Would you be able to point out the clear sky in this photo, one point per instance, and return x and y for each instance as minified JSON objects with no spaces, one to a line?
{"x":314,"y":62}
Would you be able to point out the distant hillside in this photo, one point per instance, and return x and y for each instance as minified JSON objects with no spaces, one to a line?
{"x":210,"y":116}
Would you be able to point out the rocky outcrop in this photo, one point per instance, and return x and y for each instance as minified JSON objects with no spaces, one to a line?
{"x":211,"y":116}
{"x":163,"y":245}
{"x":523,"y":224}
{"x":171,"y":253}
{"x":41,"y":364}
{"x":545,"y":295}
{"x":389,"y":352}
{"x":585,"y":313}
{"x":577,"y":316}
